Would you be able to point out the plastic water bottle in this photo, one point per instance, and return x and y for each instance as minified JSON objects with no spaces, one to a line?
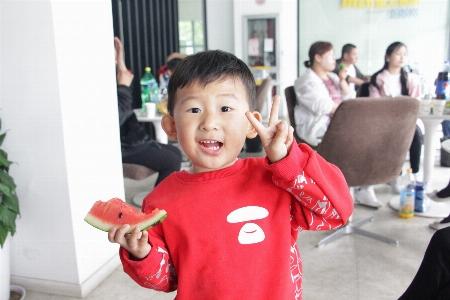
{"x":442,"y":83}
{"x":147,"y":86}
{"x":407,"y":195}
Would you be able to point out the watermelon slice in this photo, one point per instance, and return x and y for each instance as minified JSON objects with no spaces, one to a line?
{"x":115,"y":212}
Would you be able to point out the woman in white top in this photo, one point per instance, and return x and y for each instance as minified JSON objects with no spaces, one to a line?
{"x":392,"y":80}
{"x":319,"y":92}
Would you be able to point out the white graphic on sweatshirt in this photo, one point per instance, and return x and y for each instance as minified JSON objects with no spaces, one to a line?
{"x":250,"y":233}
{"x":164,"y":280}
{"x":296,"y":272}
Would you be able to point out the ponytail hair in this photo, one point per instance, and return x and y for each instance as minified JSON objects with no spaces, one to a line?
{"x":317,"y":48}
{"x":403,"y":74}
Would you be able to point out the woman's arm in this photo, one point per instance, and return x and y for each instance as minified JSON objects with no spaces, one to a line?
{"x":314,"y":96}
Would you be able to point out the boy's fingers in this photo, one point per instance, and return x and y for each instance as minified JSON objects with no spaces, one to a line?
{"x":273,"y":120}
{"x":112,"y":234}
{"x":259,"y":127}
{"x":144,"y":238}
{"x":134,"y":237}
{"x":290,"y":138}
{"x":282,"y":132}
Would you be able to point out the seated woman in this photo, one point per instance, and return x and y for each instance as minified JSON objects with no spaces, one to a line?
{"x":137,"y":146}
{"x":392,"y":80}
{"x":319,"y":92}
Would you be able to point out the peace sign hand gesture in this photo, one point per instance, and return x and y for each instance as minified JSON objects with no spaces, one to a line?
{"x":278,"y":137}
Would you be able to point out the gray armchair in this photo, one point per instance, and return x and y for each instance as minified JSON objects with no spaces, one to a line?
{"x":368,"y":139}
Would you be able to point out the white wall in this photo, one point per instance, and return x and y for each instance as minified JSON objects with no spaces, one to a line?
{"x":58,"y":102}
{"x":220,"y":23}
{"x":425,"y":33}
{"x":189,"y":10}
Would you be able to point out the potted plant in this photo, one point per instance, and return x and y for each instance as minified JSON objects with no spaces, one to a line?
{"x":9,"y":210}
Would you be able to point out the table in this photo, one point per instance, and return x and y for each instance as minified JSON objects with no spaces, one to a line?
{"x":435,"y":209}
{"x":430,"y":123}
{"x":161,"y":135}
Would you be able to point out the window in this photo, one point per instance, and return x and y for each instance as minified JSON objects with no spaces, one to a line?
{"x":191,"y":36}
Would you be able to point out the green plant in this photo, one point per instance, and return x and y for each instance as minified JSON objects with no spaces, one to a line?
{"x":9,"y":203}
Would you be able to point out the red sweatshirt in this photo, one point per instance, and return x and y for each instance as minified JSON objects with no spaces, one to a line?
{"x":231,"y":233}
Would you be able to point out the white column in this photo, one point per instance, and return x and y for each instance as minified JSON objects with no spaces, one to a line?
{"x":58,"y":102}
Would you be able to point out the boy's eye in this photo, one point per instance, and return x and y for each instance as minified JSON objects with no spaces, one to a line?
{"x":195,"y":110}
{"x":225,"y":109}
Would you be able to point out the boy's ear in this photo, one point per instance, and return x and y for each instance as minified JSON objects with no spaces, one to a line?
{"x":251,"y":133}
{"x":168,"y":124}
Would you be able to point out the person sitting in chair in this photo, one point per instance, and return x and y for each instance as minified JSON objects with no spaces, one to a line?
{"x":319,"y":92}
{"x":137,"y":146}
{"x":348,"y":60}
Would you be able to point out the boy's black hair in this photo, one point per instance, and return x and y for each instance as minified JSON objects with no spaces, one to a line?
{"x":207,"y":67}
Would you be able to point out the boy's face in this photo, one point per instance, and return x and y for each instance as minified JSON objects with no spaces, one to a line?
{"x":210,"y":124}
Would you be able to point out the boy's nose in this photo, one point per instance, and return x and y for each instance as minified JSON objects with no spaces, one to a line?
{"x":209,"y":121}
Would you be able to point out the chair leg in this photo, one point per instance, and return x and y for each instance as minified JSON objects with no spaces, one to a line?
{"x":351,"y":227}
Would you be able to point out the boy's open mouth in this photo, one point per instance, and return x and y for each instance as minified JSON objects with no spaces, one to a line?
{"x":211,"y":144}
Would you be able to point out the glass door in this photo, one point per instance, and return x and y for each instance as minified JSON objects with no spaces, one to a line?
{"x":261,"y":52}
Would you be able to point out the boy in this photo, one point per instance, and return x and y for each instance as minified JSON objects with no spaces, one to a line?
{"x":232,"y":224}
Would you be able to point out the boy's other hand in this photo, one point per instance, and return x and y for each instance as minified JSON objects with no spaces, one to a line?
{"x":136,"y":242}
{"x":278,"y":137}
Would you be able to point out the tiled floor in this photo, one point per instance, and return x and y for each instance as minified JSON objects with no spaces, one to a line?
{"x":352,"y":267}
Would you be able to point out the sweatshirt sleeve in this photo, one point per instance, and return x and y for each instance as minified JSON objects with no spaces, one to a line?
{"x":155,"y":271}
{"x":323,"y":197}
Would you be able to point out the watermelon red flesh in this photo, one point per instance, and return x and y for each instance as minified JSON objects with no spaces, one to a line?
{"x":115,"y":213}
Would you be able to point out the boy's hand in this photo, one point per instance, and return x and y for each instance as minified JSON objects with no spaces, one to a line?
{"x":277,"y":138}
{"x":136,"y":242}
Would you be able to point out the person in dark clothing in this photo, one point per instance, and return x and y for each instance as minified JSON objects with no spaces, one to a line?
{"x":137,"y":146}
{"x":348,"y":60}
{"x":432,"y":281}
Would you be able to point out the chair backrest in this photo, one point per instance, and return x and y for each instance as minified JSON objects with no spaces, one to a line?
{"x":261,"y":93}
{"x":291,"y":100}
{"x":368,"y":138}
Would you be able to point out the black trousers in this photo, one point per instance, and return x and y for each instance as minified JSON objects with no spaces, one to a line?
{"x":162,"y":158}
{"x":416,"y":150}
{"x":432,"y":280}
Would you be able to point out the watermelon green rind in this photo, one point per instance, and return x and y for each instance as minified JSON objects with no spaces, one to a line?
{"x":115,"y":212}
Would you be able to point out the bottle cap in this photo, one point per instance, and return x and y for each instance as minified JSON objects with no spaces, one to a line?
{"x":147,"y":69}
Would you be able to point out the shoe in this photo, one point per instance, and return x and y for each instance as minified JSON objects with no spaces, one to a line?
{"x":442,"y":224}
{"x":365,"y":195}
{"x":444,"y":193}
{"x":396,"y":184}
